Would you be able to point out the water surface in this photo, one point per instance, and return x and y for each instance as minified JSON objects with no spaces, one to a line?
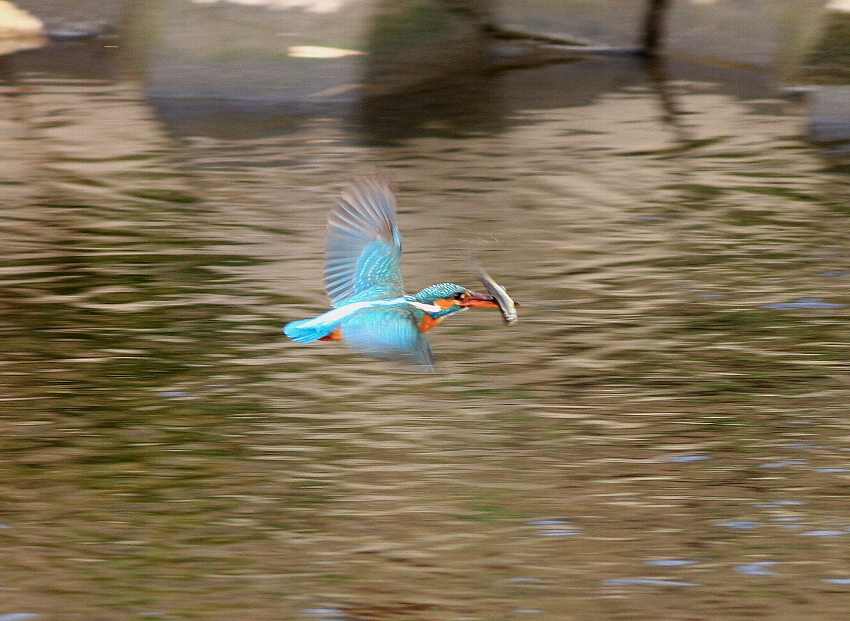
{"x":663,"y":434}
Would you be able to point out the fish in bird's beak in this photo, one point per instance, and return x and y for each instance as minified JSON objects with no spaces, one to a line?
{"x":479,"y":300}
{"x":500,"y":296}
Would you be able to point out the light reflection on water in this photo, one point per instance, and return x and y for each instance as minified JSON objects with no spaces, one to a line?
{"x":167,"y":452}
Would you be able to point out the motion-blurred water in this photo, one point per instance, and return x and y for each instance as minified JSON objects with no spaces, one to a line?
{"x":663,"y":435}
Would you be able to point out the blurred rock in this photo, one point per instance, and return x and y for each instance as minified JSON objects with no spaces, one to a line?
{"x":829,"y":61}
{"x":303,"y":53}
{"x":829,"y":113}
{"x":417,"y":44}
{"x":77,"y":18}
{"x":234,"y":52}
{"x":15,"y":22}
{"x":18,"y":29}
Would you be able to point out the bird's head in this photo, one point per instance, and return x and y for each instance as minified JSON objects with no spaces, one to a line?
{"x":446,"y":298}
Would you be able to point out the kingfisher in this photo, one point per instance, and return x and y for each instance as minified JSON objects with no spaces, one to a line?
{"x":371,"y":312}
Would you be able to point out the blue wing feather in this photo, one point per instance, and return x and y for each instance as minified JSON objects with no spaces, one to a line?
{"x":390,"y":332}
{"x":305,"y":330}
{"x":363,"y":250}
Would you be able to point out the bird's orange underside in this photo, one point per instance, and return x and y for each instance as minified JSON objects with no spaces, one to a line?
{"x":429,"y":322}
{"x":336,"y":335}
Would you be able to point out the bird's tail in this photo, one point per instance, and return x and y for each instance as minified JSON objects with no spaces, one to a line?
{"x":305,"y":331}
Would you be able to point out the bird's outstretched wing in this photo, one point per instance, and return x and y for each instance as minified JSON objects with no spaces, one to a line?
{"x":363,"y":250}
{"x":388,"y":332}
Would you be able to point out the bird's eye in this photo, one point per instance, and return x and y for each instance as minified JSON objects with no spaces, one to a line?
{"x":460,"y":295}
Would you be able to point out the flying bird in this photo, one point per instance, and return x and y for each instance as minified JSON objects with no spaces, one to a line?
{"x":371,"y":312}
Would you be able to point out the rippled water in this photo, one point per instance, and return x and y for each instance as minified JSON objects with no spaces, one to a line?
{"x":663,"y":435}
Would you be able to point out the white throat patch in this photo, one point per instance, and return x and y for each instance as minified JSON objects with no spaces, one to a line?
{"x":428,"y":308}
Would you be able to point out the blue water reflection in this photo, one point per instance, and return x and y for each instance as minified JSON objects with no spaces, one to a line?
{"x":759,"y":568}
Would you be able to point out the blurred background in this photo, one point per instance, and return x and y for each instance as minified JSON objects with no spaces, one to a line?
{"x":664,"y":434}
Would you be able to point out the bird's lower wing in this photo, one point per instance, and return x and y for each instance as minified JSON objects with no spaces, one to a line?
{"x":390,"y":333}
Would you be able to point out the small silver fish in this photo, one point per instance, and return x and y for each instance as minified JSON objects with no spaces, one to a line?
{"x":506,"y":304}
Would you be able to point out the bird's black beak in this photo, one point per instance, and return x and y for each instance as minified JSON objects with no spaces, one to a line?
{"x":479,"y":300}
